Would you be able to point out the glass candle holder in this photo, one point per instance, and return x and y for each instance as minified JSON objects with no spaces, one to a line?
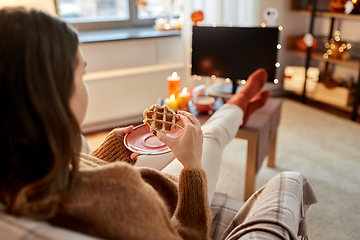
{"x":174,"y":84}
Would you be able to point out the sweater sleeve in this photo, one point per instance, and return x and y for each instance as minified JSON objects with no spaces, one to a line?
{"x":113,"y":149}
{"x":192,"y":218}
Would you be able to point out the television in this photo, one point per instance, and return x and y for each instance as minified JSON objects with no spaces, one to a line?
{"x":234,"y":52}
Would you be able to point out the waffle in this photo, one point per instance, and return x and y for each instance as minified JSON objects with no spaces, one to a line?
{"x":160,"y":118}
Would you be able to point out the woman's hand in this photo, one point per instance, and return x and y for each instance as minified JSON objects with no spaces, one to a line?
{"x":122,"y":133}
{"x":188,"y":147}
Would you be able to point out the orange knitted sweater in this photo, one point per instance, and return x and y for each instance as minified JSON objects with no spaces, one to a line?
{"x":119,"y":201}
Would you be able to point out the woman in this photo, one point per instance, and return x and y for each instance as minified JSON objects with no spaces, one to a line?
{"x":44,"y":176}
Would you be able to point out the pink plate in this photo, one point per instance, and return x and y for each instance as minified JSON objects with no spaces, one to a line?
{"x":143,"y":141}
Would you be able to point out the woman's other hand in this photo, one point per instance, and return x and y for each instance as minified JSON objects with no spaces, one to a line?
{"x":122,"y":133}
{"x":188,"y":147}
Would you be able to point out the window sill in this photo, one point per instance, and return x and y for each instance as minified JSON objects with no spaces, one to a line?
{"x":124,"y":34}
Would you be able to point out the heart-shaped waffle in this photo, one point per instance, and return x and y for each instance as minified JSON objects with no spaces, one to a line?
{"x":160,"y":118}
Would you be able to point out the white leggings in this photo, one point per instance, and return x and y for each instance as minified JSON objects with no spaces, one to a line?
{"x":218,"y":131}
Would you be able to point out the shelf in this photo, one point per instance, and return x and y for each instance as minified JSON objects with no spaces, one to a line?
{"x":328,"y":14}
{"x":337,"y":97}
{"x":353,"y":63}
{"x":311,"y":97}
{"x":318,"y":55}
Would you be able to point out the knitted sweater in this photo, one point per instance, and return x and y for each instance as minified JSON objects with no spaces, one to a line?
{"x":119,"y":201}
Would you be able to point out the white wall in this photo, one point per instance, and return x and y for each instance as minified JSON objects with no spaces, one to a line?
{"x":126,"y":77}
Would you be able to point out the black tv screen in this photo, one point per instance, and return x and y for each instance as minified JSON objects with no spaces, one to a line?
{"x":234,"y":52}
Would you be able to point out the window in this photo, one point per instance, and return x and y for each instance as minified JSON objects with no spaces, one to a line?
{"x":86,"y":15}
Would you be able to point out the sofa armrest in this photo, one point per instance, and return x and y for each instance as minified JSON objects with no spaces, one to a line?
{"x":16,"y":228}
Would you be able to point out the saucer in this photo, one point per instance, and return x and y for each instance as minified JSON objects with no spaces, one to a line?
{"x":141,"y":140}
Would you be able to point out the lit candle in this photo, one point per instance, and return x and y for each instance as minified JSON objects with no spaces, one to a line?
{"x":174,"y":84}
{"x":172,"y":102}
{"x":184,"y":97}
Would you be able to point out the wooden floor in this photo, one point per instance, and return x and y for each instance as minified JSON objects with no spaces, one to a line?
{"x":96,"y":138}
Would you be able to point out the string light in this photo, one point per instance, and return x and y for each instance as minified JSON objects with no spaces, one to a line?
{"x":276,"y":81}
{"x":277,"y":64}
{"x":213,"y":77}
{"x":243,"y":81}
{"x":230,"y":24}
{"x":198,"y":78}
{"x":246,"y":24}
{"x":326,"y":55}
{"x":280,"y":28}
{"x":189,"y":65}
{"x":278,"y":46}
{"x":214,"y":24}
{"x":227,"y":80}
{"x":195,"y":76}
{"x":190,"y":49}
{"x":263,"y":25}
{"x":167,"y":26}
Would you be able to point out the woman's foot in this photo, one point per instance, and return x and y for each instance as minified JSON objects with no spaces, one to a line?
{"x":253,"y":86}
{"x":255,"y":103}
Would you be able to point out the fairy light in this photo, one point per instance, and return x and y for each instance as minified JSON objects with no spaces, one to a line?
{"x":327,"y":45}
{"x":277,"y":64}
{"x":230,"y":24}
{"x":280,"y":28}
{"x":190,"y":49}
{"x":278,"y":46}
{"x":263,"y":25}
{"x":243,"y":81}
{"x":337,"y":38}
{"x":167,"y":26}
{"x":227,"y":80}
{"x":341,"y":49}
{"x":325,"y":55}
{"x":246,"y":24}
{"x":198,"y":78}
{"x":332,"y":46}
{"x":214,"y":24}
{"x":329,"y":52}
{"x":213,"y":77}
{"x":348,"y":46}
{"x":161,"y":20}
{"x":195,"y":77}
{"x":189,"y":65}
{"x":276,"y":81}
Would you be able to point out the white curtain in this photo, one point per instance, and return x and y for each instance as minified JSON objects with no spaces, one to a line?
{"x":44,"y":5}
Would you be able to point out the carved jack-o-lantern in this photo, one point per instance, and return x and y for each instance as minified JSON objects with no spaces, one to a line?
{"x":197,"y":17}
{"x":337,"y":6}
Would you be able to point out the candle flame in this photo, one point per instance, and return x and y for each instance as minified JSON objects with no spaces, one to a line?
{"x":184,"y":91}
{"x":174,"y":74}
{"x":172,"y":97}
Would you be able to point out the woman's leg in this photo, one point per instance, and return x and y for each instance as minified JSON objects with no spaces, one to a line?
{"x":222,"y":127}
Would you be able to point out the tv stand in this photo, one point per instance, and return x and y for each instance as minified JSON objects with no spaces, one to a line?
{"x":234,"y":86}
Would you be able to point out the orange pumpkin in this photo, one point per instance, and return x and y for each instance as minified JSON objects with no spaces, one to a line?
{"x":197,"y":17}
{"x":337,"y":6}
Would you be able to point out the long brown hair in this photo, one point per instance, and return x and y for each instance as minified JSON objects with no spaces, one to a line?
{"x":39,"y":135}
